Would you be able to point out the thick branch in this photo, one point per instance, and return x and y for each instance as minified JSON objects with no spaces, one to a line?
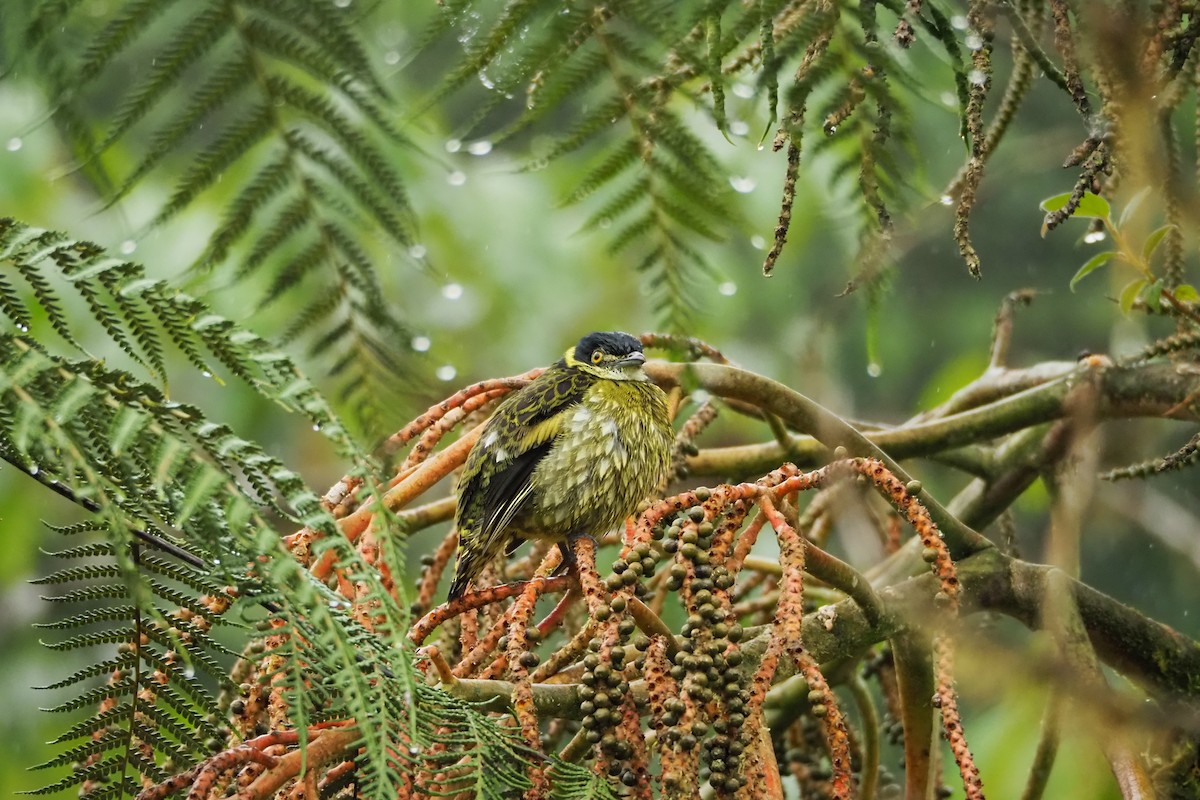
{"x":802,"y":414}
{"x":1012,"y":400}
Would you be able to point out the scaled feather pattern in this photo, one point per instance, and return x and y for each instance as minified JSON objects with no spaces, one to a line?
{"x":572,"y":453}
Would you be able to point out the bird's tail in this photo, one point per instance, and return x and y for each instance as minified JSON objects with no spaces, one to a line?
{"x":463,"y":573}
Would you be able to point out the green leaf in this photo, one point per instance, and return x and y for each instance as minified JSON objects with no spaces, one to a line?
{"x":1096,"y":261}
{"x":1186,"y":293}
{"x":1132,"y":206}
{"x":1154,"y":240}
{"x":1091,"y":206}
{"x":1154,"y":294}
{"x":1130,"y":294}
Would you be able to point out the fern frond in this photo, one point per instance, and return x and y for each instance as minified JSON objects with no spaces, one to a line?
{"x":193,"y":40}
{"x":290,"y":90}
{"x":629,"y":61}
{"x":143,"y":307}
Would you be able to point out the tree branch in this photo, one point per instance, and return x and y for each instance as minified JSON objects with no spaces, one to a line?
{"x":1163,"y":662}
{"x":999,"y":403}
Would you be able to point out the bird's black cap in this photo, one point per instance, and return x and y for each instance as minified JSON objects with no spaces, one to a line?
{"x":614,"y":343}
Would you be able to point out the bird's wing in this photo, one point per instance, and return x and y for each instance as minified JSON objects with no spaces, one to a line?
{"x":496,"y":478}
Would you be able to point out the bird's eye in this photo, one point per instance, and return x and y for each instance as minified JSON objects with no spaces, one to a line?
{"x":597,"y":356}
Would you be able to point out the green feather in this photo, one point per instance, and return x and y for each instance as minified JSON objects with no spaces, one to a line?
{"x":571,"y":453}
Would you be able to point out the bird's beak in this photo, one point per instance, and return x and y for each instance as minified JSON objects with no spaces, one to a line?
{"x":632,"y":360}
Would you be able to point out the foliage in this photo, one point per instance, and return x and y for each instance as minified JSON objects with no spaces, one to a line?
{"x":264,"y":639}
{"x":301,"y":118}
{"x":156,"y":474}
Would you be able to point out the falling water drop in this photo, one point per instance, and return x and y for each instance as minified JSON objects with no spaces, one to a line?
{"x":742,"y":185}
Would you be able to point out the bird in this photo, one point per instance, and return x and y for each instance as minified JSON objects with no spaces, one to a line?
{"x":572,"y":453}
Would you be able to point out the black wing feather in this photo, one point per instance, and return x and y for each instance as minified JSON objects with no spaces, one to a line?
{"x":508,"y":484}
{"x":488,"y":489}
{"x":483,"y":494}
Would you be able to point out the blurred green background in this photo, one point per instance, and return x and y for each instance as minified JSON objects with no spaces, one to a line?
{"x":511,"y":281}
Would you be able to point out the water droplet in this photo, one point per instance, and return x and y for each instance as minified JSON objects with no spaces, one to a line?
{"x":739,"y":128}
{"x":486,"y":81}
{"x":830,"y":130}
{"x":946,"y":200}
{"x":189,"y":671}
{"x":391,"y":58}
{"x":742,"y":185}
{"x":949,"y":99}
{"x":316,"y":426}
{"x":874,"y":370}
{"x":977,"y":77}
{"x":959,"y":21}
{"x":452,"y":291}
{"x":480,"y":148}
{"x":743,"y":89}
{"x":1091,"y":237}
{"x":128,"y":246}
{"x":342,"y":3}
{"x":14,"y":144}
{"x":453,"y":145}
{"x":34,"y":469}
{"x":413,"y":750}
{"x":758,"y":242}
{"x":701,"y":395}
{"x":206,"y":373}
{"x":446,"y":372}
{"x":456,"y":178}
{"x":974,"y":41}
{"x":728,"y":288}
{"x":421,"y":343}
{"x":417,"y":251}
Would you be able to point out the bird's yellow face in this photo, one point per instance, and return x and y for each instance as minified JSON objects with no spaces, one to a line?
{"x":604,"y":364}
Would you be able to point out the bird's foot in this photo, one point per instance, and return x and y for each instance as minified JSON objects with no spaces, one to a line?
{"x":567,"y":548}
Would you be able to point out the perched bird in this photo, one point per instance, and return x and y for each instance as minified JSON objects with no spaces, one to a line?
{"x":572,"y":453}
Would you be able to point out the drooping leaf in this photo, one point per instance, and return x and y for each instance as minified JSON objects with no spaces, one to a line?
{"x":1129,"y":294}
{"x":1090,"y":206}
{"x":1092,"y":264}
{"x":1154,"y":240}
